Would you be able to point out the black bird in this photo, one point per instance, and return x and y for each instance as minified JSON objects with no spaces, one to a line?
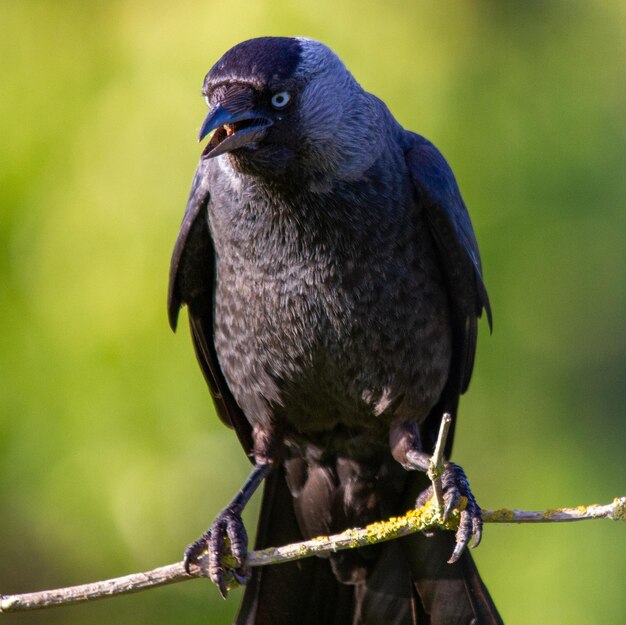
{"x":333,"y":284}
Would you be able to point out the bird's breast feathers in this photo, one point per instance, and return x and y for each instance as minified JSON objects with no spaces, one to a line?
{"x":299,"y":310}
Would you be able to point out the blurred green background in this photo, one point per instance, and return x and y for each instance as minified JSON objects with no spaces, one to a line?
{"x":111,"y":458}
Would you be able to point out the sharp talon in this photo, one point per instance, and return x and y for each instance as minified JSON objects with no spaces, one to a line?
{"x":455,"y":486}
{"x":451,"y":504}
{"x":226,"y":537}
{"x":221,"y":586}
{"x":456,"y":554}
{"x":194,"y":551}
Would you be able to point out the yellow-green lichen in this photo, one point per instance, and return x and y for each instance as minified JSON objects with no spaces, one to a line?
{"x":416,"y":519}
{"x":582,"y":510}
{"x":550,"y":513}
{"x":620,"y":509}
{"x":503,"y":515}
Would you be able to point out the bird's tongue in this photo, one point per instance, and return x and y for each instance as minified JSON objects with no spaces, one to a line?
{"x":222,"y":133}
{"x":219,"y":134}
{"x":232,"y":136}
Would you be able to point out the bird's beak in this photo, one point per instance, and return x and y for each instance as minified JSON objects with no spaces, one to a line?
{"x":232,"y":130}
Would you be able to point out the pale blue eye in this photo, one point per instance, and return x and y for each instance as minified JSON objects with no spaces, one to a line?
{"x":281,"y":99}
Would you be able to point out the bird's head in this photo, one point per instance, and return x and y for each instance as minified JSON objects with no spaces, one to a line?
{"x":283,"y":106}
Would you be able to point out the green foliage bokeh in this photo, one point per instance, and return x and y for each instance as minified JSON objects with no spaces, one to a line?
{"x":111,"y":458}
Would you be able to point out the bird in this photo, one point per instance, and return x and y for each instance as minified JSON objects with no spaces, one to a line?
{"x":333,"y":285}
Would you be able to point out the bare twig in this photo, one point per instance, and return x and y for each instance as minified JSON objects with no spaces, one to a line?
{"x":169,"y":574}
{"x":436,"y":468}
{"x":423,"y":518}
{"x":616,"y":511}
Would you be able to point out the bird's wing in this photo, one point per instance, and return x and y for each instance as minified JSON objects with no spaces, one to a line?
{"x":192,"y":281}
{"x":439,"y":197}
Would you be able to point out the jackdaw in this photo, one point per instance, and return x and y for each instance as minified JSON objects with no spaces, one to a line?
{"x":333,"y":285}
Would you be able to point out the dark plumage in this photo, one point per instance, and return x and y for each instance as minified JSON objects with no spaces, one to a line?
{"x":333,"y":283}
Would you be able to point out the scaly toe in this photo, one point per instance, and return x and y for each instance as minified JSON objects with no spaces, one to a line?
{"x":196,"y":550}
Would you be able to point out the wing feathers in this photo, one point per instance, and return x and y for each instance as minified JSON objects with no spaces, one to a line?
{"x":192,"y":283}
{"x":437,"y":192}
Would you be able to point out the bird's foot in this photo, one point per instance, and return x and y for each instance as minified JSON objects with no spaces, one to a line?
{"x":225,"y":545}
{"x":455,"y":485}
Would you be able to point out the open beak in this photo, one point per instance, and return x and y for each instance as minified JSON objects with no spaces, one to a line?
{"x":232,"y":130}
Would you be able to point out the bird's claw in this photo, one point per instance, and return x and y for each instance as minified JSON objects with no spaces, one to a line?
{"x":455,"y":485}
{"x":225,"y":540}
{"x":196,"y":551}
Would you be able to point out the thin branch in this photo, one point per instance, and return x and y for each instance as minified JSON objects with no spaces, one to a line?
{"x":436,"y":468}
{"x":169,"y":574}
{"x":421,"y":519}
{"x":616,"y":511}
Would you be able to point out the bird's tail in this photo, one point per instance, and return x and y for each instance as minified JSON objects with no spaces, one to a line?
{"x":296,"y":593}
{"x":408,"y":583}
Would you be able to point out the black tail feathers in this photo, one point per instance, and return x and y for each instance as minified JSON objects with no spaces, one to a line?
{"x":409,"y":581}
